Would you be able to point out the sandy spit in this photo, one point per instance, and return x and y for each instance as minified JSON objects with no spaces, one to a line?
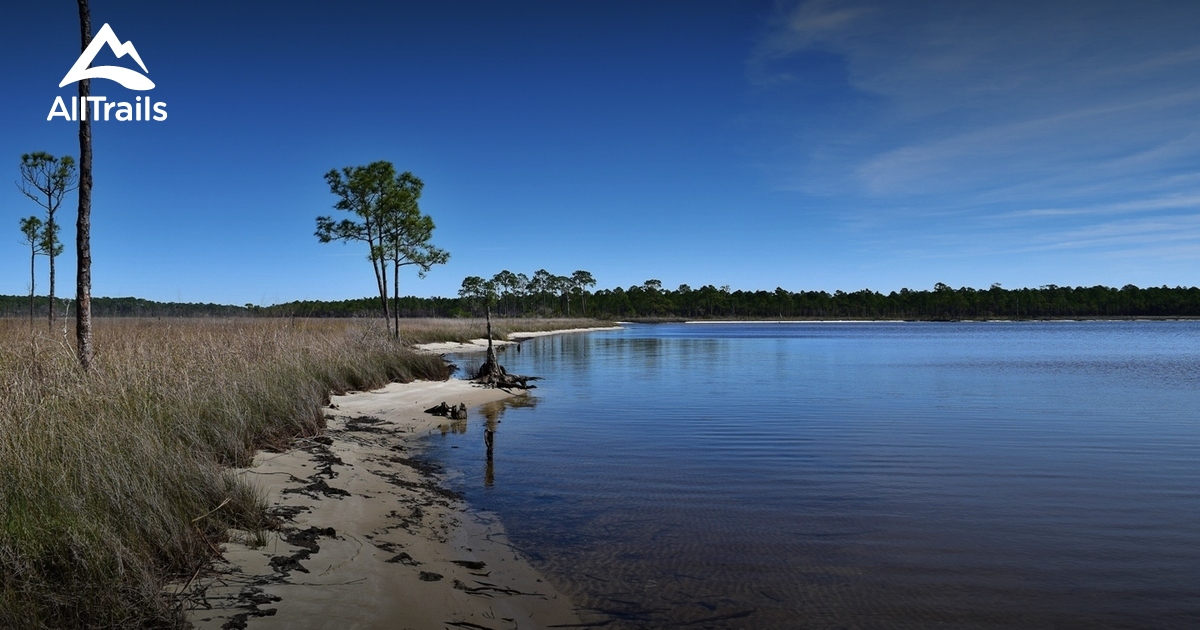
{"x":480,"y":345}
{"x":370,"y":539}
{"x":547,"y":333}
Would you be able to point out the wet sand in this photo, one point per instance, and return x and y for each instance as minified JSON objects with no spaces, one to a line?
{"x":370,"y":539}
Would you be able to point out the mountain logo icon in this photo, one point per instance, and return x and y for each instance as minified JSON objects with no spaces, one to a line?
{"x":130,"y":79}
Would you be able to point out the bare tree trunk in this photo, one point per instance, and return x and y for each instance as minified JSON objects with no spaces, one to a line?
{"x":381,"y":285}
{"x":379,"y":265}
{"x":396,"y":297}
{"x":50,"y":228}
{"x":387,"y":317}
{"x":83,"y":227}
{"x":32,"y":282}
{"x":491,"y":353}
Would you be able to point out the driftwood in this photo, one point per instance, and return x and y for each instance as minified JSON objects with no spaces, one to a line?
{"x":492,"y":374}
{"x":454,"y":412}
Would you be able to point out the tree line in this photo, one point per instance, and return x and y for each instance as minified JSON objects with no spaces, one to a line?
{"x":520,"y":295}
{"x":651,"y":300}
{"x":942,"y":303}
{"x":17,"y":306}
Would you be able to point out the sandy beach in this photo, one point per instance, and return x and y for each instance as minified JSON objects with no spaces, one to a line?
{"x":369,"y":537}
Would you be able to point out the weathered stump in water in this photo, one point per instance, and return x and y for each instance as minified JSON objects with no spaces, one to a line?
{"x":494,"y":375}
{"x":454,"y":412}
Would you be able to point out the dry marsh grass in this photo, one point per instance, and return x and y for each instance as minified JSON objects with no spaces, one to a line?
{"x":114,"y":483}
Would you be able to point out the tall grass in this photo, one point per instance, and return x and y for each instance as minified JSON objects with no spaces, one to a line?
{"x":115,"y":482}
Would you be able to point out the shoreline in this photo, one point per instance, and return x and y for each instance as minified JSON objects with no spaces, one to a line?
{"x":371,"y":538}
{"x":480,"y":345}
{"x":1147,"y":318}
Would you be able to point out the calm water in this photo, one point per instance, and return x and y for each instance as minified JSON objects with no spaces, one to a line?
{"x":975,"y":475}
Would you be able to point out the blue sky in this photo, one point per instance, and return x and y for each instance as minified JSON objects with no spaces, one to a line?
{"x":813,"y":145}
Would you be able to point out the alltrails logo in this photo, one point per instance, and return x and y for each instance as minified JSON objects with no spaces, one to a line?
{"x":99,"y":107}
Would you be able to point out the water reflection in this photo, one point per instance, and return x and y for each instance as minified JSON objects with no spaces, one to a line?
{"x":492,"y":413}
{"x":454,"y":426}
{"x":489,"y":470}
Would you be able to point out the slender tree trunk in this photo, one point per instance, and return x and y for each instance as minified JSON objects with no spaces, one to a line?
{"x":83,"y":228}
{"x":379,"y":265}
{"x":50,"y":229}
{"x":32,"y":280}
{"x":383,"y":285}
{"x":396,"y":297}
{"x":491,"y":353}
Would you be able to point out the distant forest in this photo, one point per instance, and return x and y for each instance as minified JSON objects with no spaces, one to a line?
{"x":651,"y":301}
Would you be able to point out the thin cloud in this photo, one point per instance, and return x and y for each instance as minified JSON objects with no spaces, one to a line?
{"x":1039,"y":147}
{"x":802,"y":27}
{"x":994,"y":128}
{"x":1006,"y":88}
{"x":1141,"y":205}
{"x":1148,"y":235}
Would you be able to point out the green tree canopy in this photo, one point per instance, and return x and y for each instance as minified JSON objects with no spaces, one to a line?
{"x":387,"y":218}
{"x":46,"y":180}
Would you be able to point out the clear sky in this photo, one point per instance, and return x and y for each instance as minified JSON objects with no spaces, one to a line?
{"x":813,"y":145}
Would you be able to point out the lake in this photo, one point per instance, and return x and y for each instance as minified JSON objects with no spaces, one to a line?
{"x":854,"y":475}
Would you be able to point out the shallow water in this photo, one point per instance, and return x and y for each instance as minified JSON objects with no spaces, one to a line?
{"x":860,"y":475}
